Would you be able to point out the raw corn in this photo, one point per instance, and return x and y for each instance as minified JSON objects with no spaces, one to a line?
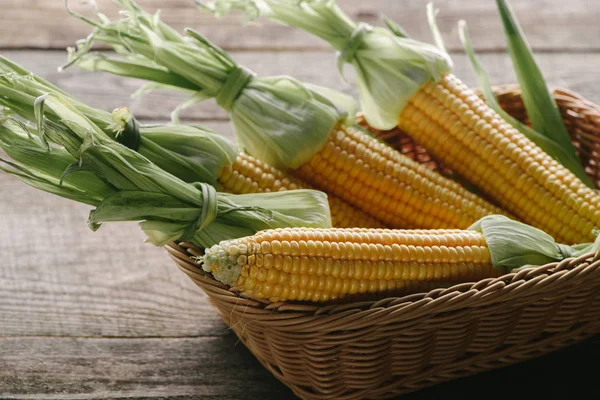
{"x":458,"y":128}
{"x":249,"y":175}
{"x":320,"y":264}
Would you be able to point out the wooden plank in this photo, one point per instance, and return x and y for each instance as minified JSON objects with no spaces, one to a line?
{"x":211,"y":368}
{"x":579,"y":74}
{"x":109,"y":283}
{"x":59,"y":278}
{"x":70,"y":368}
{"x":549,"y":24}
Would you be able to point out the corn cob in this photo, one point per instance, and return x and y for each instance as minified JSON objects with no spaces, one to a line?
{"x":321,"y":264}
{"x":292,"y":126}
{"x":249,"y":175}
{"x":457,"y":127}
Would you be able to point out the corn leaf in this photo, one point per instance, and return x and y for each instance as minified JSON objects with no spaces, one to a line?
{"x":395,"y":28}
{"x":43,"y":167}
{"x":539,"y":103}
{"x":433,"y":26}
{"x":546,"y":142}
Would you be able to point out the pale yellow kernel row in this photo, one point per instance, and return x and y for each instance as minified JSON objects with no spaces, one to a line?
{"x":375,"y":252}
{"x":383,"y":237}
{"x":269,"y":265}
{"x":278,"y":285}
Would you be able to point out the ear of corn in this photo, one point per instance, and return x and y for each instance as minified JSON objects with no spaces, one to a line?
{"x":322,"y":265}
{"x":393,"y":188}
{"x":296,"y":127}
{"x":457,"y":127}
{"x":548,"y":130}
{"x":325,"y":264}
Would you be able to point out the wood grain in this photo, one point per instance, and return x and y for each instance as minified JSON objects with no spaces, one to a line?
{"x":76,"y":368}
{"x":102,"y":315}
{"x":58,"y":278}
{"x":579,"y":74}
{"x":549,"y":24}
{"x":221,"y":368}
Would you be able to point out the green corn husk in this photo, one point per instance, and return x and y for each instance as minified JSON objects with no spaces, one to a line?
{"x":43,"y":169}
{"x":276,"y":119}
{"x":390,"y":67}
{"x":125,"y":186}
{"x":552,"y":138}
{"x":514,"y":244}
{"x":192,"y":153}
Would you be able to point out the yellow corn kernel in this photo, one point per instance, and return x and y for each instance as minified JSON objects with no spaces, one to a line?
{"x":500,"y":161}
{"x":249,"y":175}
{"x":389,"y":186}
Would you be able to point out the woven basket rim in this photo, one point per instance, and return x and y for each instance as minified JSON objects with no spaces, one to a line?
{"x":404,"y":308}
{"x":475,"y":294}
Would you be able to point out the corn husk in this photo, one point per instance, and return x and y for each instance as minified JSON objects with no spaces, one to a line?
{"x":43,"y":167}
{"x":52,"y":155}
{"x":389,"y":66}
{"x":514,"y":244}
{"x":192,"y":153}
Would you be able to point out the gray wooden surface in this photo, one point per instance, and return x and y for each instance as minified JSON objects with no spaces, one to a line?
{"x":103,"y":315}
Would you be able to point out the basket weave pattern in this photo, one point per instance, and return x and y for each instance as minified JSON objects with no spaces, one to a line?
{"x":379,"y":349}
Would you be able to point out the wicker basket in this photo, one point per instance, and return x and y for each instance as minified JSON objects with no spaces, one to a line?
{"x":379,"y":349}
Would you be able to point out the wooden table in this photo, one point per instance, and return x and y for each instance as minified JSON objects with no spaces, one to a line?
{"x":103,"y":315}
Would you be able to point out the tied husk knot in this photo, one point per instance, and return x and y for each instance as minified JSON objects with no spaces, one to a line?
{"x":390,"y":67}
{"x":237,"y":79}
{"x":208,"y":211}
{"x":354,"y":42}
{"x":277,"y":119}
